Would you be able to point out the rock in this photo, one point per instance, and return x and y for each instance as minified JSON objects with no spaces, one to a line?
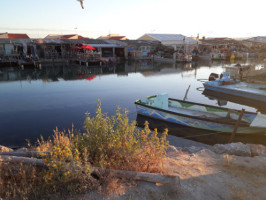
{"x":257,"y":150}
{"x":238,"y":149}
{"x":5,"y":149}
{"x":171,"y":149}
{"x":193,"y":149}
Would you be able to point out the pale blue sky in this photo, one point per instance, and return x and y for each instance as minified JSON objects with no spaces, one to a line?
{"x":210,"y":18}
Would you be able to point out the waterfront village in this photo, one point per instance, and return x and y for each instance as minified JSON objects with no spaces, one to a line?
{"x":112,"y":158}
{"x":18,"y":49}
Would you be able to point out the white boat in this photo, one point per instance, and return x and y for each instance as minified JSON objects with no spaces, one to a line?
{"x":227,"y":86}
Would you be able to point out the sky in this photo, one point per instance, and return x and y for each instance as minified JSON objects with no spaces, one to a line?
{"x":209,"y":18}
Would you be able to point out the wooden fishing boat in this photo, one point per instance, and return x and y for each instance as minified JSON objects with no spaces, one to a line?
{"x":225,"y":85}
{"x":200,"y":116}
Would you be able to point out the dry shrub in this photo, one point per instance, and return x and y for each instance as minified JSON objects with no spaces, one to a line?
{"x":116,"y":143}
{"x":59,"y":139}
{"x":68,"y":167}
{"x":68,"y":170}
{"x":19,"y":181}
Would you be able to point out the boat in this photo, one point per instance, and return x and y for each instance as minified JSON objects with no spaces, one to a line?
{"x":184,"y":58}
{"x":227,"y":86}
{"x":200,"y":116}
{"x":218,"y":56}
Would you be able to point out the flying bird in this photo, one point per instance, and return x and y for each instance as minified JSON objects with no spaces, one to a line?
{"x":81,"y":3}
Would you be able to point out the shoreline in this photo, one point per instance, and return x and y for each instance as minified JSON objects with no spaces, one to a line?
{"x":221,"y":171}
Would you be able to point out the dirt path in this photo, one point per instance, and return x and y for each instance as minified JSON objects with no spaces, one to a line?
{"x":204,"y":175}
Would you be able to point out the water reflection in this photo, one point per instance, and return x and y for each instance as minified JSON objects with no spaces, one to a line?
{"x":51,"y":74}
{"x":35,"y":101}
{"x":222,"y":100}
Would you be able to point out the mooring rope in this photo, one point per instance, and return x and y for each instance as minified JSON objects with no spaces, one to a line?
{"x":202,"y":79}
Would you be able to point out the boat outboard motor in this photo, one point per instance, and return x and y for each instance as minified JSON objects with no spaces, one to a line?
{"x":213,"y":76}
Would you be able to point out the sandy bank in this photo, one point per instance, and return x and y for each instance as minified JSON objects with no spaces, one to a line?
{"x":231,"y":171}
{"x":205,"y":173}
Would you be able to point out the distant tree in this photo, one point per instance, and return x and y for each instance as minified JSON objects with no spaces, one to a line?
{"x":81,"y":3}
{"x":203,"y":38}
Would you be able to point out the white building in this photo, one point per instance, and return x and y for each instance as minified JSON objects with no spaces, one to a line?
{"x":177,"y":41}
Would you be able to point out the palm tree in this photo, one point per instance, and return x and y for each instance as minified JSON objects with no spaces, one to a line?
{"x":81,"y":3}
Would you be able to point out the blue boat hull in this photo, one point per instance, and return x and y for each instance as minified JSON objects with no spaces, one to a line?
{"x":236,"y":90}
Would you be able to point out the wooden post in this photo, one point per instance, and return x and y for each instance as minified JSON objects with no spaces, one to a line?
{"x":236,"y":126}
{"x":185,"y":97}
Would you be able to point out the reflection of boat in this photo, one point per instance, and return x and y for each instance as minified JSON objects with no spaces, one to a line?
{"x":205,"y":57}
{"x":226,"y":85}
{"x":222,"y":100}
{"x":200,"y":116}
{"x":183,"y":58}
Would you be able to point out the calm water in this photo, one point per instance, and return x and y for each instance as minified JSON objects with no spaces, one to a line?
{"x":34,"y":102}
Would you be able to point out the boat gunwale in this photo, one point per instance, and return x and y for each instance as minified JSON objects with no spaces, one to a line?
{"x":245,"y":124}
{"x":201,"y":104}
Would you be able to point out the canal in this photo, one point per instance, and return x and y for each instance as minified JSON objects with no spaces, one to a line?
{"x":33,"y":102}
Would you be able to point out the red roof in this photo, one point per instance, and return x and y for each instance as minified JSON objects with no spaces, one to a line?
{"x":17,"y":36}
{"x":70,"y":36}
{"x":66,"y":36}
{"x":81,"y":37}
